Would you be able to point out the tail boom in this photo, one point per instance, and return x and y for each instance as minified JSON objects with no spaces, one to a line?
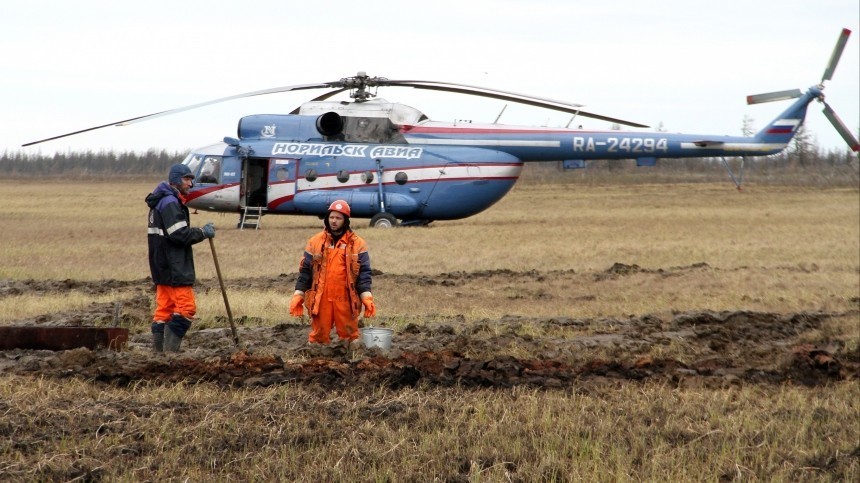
{"x":782,"y":129}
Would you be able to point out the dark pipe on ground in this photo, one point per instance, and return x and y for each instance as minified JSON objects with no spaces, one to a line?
{"x":63,"y":338}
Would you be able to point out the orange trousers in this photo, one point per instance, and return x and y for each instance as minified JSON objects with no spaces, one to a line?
{"x":174,"y":300}
{"x":333,"y":310}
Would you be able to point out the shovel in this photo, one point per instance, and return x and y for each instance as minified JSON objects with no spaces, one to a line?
{"x":224,"y":293}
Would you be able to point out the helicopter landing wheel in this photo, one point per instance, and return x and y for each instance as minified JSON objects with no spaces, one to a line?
{"x":383,"y":220}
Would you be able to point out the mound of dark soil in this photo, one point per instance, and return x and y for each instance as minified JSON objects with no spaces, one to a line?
{"x":705,"y":348}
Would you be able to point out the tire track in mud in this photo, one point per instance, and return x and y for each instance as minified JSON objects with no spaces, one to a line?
{"x":701,"y":348}
{"x":99,"y":287}
{"x":720,"y":349}
{"x":10,"y":287}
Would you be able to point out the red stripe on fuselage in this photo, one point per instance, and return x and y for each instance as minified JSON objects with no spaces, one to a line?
{"x":423,"y":181}
{"x":274,"y":204}
{"x":478,"y":130}
{"x":197,"y":193}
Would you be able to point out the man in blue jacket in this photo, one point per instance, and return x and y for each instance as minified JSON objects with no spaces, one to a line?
{"x":171,"y":261}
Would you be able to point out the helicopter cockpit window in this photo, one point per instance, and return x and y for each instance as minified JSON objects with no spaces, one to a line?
{"x":211,"y":171}
{"x":193,"y":162}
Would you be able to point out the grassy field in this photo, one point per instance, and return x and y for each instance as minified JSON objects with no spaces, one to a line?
{"x":769,"y":249}
{"x":543,"y":251}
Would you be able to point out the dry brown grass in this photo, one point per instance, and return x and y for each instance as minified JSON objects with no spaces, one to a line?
{"x":63,"y":430}
{"x":769,"y":249}
{"x":699,"y":247}
{"x":94,"y":231}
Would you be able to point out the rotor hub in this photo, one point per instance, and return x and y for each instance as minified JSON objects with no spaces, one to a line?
{"x":358,"y":85}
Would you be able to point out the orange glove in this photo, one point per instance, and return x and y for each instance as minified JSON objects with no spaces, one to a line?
{"x":369,"y":307}
{"x":297,"y":305}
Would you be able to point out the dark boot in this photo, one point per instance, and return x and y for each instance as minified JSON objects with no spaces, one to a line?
{"x":158,"y":337}
{"x":171,"y":341}
{"x":174,"y":332}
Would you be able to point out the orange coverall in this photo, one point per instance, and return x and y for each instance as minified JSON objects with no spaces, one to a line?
{"x":339,"y":274}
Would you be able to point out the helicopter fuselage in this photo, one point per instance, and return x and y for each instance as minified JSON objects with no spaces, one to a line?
{"x":304,"y":178}
{"x":389,"y":158}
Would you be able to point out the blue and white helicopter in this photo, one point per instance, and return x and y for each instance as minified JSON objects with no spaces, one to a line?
{"x":394,"y":165}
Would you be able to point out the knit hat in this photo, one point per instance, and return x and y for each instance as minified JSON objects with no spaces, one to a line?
{"x":177,"y":172}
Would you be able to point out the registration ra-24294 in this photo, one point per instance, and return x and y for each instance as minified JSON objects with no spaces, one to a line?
{"x":621,"y":145}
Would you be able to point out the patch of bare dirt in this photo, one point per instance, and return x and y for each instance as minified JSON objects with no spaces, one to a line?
{"x":690,"y":349}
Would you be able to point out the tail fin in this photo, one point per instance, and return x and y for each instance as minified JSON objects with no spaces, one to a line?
{"x":785,"y":126}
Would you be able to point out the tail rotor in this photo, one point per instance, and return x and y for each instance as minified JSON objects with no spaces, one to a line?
{"x":837,"y":54}
{"x":840,"y":127}
{"x":774,"y":96}
{"x":831,"y":116}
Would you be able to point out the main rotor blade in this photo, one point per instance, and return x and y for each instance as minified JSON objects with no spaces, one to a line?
{"x":75,"y":132}
{"x":147,"y":117}
{"x":505,"y":96}
{"x":773,"y":96}
{"x":841,"y":128}
{"x":837,"y":54}
{"x":360,"y":82}
{"x":262,"y":92}
{"x":320,"y":98}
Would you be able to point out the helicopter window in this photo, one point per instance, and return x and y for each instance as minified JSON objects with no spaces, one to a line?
{"x":401,"y":178}
{"x":343,"y":176}
{"x":281,"y":174}
{"x":311,"y":175}
{"x":211,"y":171}
{"x":193,"y":162}
{"x":367,"y":177}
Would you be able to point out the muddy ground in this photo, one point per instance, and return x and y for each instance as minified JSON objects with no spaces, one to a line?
{"x":688,"y":349}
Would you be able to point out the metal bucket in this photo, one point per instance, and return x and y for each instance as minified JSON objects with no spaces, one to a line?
{"x":376,"y":337}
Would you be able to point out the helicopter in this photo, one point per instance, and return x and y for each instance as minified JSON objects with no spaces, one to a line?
{"x":394,"y":165}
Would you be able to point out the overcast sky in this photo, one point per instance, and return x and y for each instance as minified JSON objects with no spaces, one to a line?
{"x":688,"y":64}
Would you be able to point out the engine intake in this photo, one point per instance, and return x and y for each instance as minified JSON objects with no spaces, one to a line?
{"x":330,"y":124}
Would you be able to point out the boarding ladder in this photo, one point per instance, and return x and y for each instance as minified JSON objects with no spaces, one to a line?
{"x":252,"y":216}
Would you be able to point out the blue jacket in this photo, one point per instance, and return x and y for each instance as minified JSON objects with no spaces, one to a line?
{"x":171,"y":260}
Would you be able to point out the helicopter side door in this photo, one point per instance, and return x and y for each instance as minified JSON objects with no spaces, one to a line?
{"x":254,"y":183}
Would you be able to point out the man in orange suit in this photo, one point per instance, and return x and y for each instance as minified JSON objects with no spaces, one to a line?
{"x":334,"y":279}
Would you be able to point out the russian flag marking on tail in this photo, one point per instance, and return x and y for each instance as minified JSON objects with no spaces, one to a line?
{"x":783,"y":126}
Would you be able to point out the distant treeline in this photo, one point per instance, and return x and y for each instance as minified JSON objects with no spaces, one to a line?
{"x":87,"y":164}
{"x":800,"y":163}
{"x":834,"y":169}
